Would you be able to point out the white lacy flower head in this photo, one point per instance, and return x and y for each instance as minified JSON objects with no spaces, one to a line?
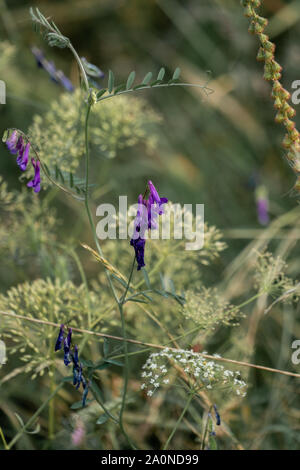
{"x":203,"y":373}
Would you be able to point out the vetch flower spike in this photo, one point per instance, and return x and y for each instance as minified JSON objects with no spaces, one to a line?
{"x":147,"y":213}
{"x":57,"y":76}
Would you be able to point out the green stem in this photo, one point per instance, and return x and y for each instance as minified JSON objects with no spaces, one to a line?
{"x":34,"y":417}
{"x":178,"y":421}
{"x":205,"y":430}
{"x":83,"y":73}
{"x":129,"y":281}
{"x":3,"y":439}
{"x":119,"y":302}
{"x":51,"y":411}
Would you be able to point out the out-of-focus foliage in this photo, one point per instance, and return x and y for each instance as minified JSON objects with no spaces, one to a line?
{"x":115,"y":124}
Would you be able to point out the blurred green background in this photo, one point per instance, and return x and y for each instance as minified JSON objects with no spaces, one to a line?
{"x":210,"y":149}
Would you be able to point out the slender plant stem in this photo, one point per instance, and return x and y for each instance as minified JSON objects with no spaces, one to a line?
{"x":118,"y":301}
{"x":51,"y":412}
{"x":83,"y":73}
{"x":162,"y":85}
{"x":129,"y":281}
{"x":126,"y":359}
{"x":179,"y":421}
{"x":205,"y":430}
{"x":3,"y":439}
{"x":152,"y":345}
{"x":34,"y":417}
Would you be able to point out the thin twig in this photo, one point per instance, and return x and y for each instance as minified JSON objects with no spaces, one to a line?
{"x":151,"y":345}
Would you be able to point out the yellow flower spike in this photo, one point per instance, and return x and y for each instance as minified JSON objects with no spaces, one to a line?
{"x":278,"y":103}
{"x":290,"y":125}
{"x":272,"y":72}
{"x":260,"y":55}
{"x":264,"y":39}
{"x":249,"y":12}
{"x":287,"y":141}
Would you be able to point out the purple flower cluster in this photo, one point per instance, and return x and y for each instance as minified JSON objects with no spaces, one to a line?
{"x":57,"y":76}
{"x":146,"y":219}
{"x":72,"y":357}
{"x":16,"y":145}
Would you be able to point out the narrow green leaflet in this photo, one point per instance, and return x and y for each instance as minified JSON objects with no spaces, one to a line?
{"x":111,"y":81}
{"x":130,"y":80}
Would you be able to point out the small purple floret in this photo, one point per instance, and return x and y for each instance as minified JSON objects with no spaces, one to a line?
{"x":35,"y":183}
{"x":60,"y":338}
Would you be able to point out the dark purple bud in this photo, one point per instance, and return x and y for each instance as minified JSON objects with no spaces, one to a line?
{"x":80,"y":378}
{"x":75,"y":375}
{"x":60,"y":338}
{"x":139,"y":248}
{"x":85,"y":392}
{"x":218,"y":417}
{"x":67,"y":345}
{"x":75,"y":356}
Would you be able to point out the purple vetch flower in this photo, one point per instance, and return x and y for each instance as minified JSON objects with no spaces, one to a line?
{"x":60,"y":338}
{"x":218,"y":417}
{"x":78,"y":434}
{"x":36,"y":181}
{"x":12,"y":142}
{"x":23,"y":158}
{"x":15,"y":145}
{"x":262,"y":205}
{"x":262,"y":211}
{"x":146,"y":218}
{"x":39,"y":56}
{"x":66,"y":83}
{"x":57,"y":76}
